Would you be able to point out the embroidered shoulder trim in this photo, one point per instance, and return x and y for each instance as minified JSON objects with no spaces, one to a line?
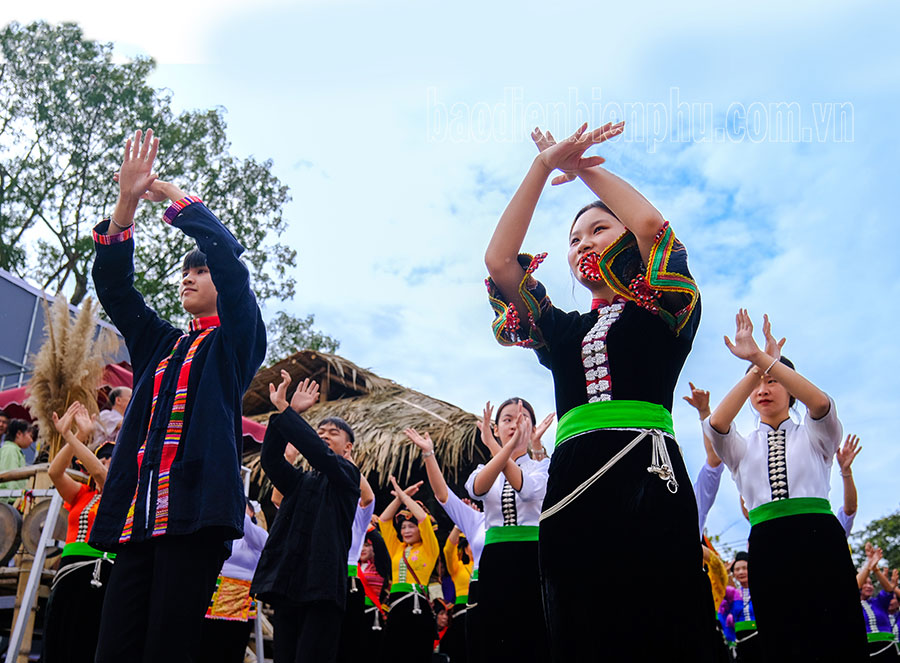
{"x":648,"y":287}
{"x":108,"y":240}
{"x":508,"y":326}
{"x":176,"y":207}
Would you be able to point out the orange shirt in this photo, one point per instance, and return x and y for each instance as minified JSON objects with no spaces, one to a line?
{"x":82,"y":512}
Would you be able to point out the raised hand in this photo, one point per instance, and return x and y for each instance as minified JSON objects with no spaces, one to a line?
{"x":83,"y":420}
{"x":136,"y":173}
{"x":413,"y":489}
{"x":544,"y":141}
{"x":568,"y":155}
{"x":524,"y":430}
{"x":540,"y":429}
{"x":847,"y":453}
{"x":869,"y":550}
{"x":744,"y":347}
{"x":306,"y":395}
{"x":487,"y":431}
{"x":699,"y":400}
{"x":278,"y":396}
{"x":423,"y":442}
{"x":877,"y":556}
{"x":64,"y":424}
{"x":773,"y":347}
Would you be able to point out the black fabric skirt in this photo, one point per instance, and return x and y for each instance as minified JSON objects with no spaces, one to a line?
{"x":883,"y":651}
{"x":354,"y":624}
{"x":749,"y":647}
{"x":509,"y":604}
{"x":602,"y":545}
{"x":408,"y":637}
{"x":834,"y":630}
{"x":72,"y":621}
{"x":453,"y":644}
{"x":474,"y":645}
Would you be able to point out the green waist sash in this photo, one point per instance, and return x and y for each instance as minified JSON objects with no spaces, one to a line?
{"x":407,"y":588}
{"x":792,"y":506}
{"x":351,"y":571}
{"x":475,"y":574}
{"x":511,"y":533}
{"x":461,"y":600}
{"x":613,"y":414}
{"x":740,"y":627}
{"x":82,"y":549}
{"x":880,"y":637}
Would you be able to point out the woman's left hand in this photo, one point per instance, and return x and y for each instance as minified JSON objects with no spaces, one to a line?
{"x":540,"y":429}
{"x":744,"y":347}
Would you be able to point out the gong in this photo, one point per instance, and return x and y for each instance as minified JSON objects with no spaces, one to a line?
{"x":10,"y":532}
{"x":34,"y":521}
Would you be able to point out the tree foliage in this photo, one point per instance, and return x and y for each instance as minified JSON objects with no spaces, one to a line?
{"x":65,"y":110}
{"x":884,"y":533}
{"x":289,"y":334}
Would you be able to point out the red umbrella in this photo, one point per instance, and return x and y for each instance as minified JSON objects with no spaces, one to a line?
{"x":12,"y":401}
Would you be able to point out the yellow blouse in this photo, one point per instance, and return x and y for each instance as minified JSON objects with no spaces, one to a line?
{"x":459,"y":572}
{"x":421,"y":556}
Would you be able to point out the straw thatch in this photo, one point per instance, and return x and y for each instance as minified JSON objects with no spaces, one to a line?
{"x":69,"y":365}
{"x":379,"y":414}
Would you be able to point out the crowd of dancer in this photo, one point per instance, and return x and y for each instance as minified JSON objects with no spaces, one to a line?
{"x":164,"y":539}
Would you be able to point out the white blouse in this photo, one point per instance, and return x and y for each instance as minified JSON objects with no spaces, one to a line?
{"x":797,"y":465}
{"x":361,"y":521}
{"x":522,"y":507}
{"x":467,"y":519}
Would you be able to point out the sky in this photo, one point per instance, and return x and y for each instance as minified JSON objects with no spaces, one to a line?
{"x":764,"y":133}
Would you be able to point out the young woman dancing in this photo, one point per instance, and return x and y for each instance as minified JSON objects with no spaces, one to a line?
{"x":511,"y":487}
{"x":614,"y":373}
{"x":782,"y":470}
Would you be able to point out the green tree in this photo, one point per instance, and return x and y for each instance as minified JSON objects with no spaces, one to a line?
{"x":884,"y":533}
{"x":289,"y":334}
{"x":65,"y":111}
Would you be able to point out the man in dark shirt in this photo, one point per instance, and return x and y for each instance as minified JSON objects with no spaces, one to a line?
{"x":173,"y":497}
{"x":302,"y":572}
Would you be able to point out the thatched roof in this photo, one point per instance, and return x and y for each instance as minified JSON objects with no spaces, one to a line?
{"x":378,"y":410}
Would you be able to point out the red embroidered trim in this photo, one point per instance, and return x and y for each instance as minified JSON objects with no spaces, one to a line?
{"x":109,"y":240}
{"x":171,"y":439}
{"x":176,"y":207}
{"x":202,"y":323}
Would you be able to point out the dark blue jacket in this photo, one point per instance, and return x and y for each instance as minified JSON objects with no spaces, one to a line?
{"x":205,"y":487}
{"x":305,"y":558}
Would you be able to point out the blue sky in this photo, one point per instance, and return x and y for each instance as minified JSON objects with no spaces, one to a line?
{"x":402,"y":130}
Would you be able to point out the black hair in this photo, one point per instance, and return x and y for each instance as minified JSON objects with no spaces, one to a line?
{"x":113,"y":395}
{"x":192,"y":259}
{"x":15,"y":427}
{"x":105,"y":450}
{"x":597,"y":204}
{"x":740,"y":557}
{"x":461,"y":545}
{"x":3,"y":413}
{"x":787,"y":362}
{"x":382,"y":557}
{"x":339,"y":423}
{"x":513,"y":401}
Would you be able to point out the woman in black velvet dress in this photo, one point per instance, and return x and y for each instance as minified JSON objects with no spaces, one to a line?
{"x":618,"y":487}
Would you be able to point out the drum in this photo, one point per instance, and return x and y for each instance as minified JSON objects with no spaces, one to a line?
{"x":10,"y":532}
{"x":34,"y":522}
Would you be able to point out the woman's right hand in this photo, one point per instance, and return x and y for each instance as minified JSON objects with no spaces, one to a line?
{"x":699,"y":400}
{"x":424,"y":443}
{"x":773,"y":347}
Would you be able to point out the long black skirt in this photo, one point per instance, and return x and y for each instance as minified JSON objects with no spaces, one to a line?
{"x":408,"y":637}
{"x":749,"y":647}
{"x":834,"y":630}
{"x":509,"y":604}
{"x":603,"y":544}
{"x":72,"y":621}
{"x":354,"y":624}
{"x":474,"y":645}
{"x":453,"y":644}
{"x":883,"y":651}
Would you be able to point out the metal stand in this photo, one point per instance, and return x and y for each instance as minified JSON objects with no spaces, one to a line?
{"x":34,"y":579}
